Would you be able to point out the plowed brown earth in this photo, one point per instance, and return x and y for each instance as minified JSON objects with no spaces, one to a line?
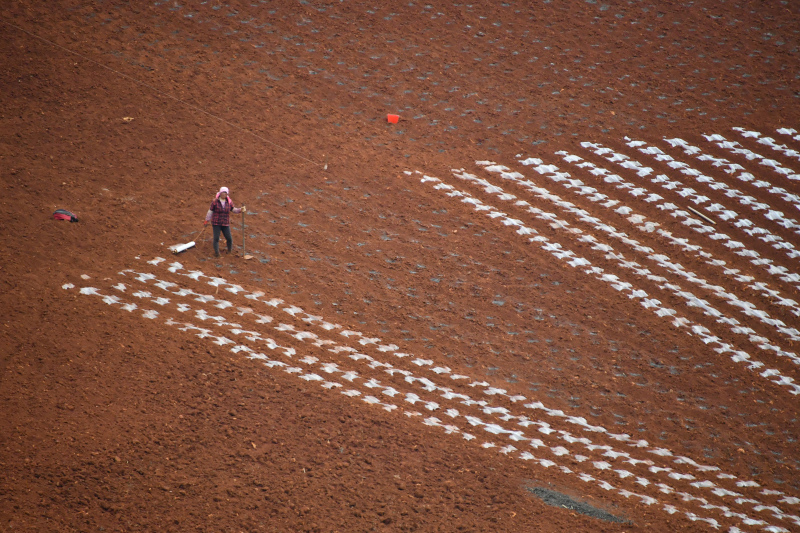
{"x":390,"y":358}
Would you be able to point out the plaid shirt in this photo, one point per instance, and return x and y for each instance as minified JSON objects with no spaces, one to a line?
{"x":220,"y":216}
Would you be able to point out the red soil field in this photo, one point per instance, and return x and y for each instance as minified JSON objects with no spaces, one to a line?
{"x":559,"y":294}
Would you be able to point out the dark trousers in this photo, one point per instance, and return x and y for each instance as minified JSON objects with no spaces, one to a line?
{"x":226,"y":230}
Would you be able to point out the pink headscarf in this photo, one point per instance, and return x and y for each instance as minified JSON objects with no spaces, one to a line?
{"x":224,"y":190}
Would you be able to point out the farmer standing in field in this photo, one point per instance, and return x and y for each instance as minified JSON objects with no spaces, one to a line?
{"x":219,"y":216}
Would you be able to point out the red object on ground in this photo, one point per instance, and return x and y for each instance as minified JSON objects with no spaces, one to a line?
{"x":63,"y":214}
{"x":392,"y":118}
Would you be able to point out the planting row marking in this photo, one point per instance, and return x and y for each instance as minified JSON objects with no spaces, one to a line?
{"x":574,"y":261}
{"x":374,"y":343}
{"x":487,"y":409}
{"x":448,"y":394}
{"x":736,"y":148}
{"x":725,"y":214}
{"x":662,"y":260}
{"x":448,"y":427}
{"x":772,"y":215}
{"x":769,"y":141}
{"x":692,"y":301}
{"x":698,"y":226}
{"x":694,"y":224}
{"x":731,"y":168}
{"x":789,"y":131}
{"x":640,"y":222}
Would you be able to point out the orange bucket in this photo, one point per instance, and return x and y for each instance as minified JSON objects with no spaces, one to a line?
{"x":392,"y":118}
